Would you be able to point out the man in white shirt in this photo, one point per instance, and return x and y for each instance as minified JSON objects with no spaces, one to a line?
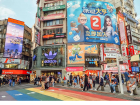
{"x":68,"y":78}
{"x":132,"y":83}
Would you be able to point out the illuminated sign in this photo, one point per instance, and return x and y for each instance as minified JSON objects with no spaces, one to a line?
{"x":14,"y":39}
{"x":50,"y":57}
{"x":91,"y":21}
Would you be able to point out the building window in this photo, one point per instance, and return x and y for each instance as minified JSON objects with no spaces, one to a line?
{"x":53,"y":31}
{"x":53,"y":12}
{"x":54,"y":22}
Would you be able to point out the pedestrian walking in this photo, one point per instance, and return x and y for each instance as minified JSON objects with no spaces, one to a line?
{"x":127,"y":78}
{"x":4,"y":80}
{"x":53,"y":81}
{"x":13,"y":79}
{"x":68,"y":78}
{"x":0,"y":82}
{"x":132,"y":83}
{"x":101,"y":83}
{"x":43,"y":82}
{"x":107,"y":79}
{"x":85,"y":83}
{"x":94,"y":80}
{"x":75,"y":81}
{"x":71,"y":79}
{"x":78,"y":78}
{"x":10,"y":81}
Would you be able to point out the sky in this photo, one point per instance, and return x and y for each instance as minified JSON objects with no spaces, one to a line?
{"x":25,"y":10}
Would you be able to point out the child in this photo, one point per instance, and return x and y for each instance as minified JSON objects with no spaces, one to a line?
{"x":108,"y":29}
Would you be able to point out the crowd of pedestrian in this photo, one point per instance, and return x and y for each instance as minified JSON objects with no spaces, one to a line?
{"x":88,"y":81}
{"x":11,"y":81}
{"x":45,"y":81}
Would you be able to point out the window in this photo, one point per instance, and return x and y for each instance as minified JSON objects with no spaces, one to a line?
{"x":57,"y":22}
{"x":60,"y":2}
{"x":54,"y":22}
{"x":61,"y":21}
{"x":51,"y":23}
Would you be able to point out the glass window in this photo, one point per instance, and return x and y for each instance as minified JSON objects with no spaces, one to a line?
{"x":57,"y":22}
{"x":51,"y":4}
{"x":47,"y":32}
{"x":58,"y":12}
{"x":50,"y":32}
{"x":61,"y":21}
{"x":48,"y":23}
{"x":55,"y":4}
{"x":61,"y":11}
{"x":61,"y":30}
{"x":57,"y":30}
{"x":51,"y":22}
{"x":48,"y":5}
{"x":60,"y":2}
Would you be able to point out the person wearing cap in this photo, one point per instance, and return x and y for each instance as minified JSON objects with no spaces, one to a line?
{"x":114,"y":83}
{"x":132,"y":83}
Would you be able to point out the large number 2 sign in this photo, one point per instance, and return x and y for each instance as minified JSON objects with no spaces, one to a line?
{"x":95,"y":22}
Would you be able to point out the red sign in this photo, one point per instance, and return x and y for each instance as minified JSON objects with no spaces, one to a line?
{"x":54,"y":16}
{"x":131,"y":50}
{"x":27,"y":72}
{"x":95,"y":22}
{"x":70,"y":69}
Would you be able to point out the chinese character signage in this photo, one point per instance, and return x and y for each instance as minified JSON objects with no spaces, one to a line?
{"x":14,"y":39}
{"x":129,"y":36}
{"x":91,"y":21}
{"x":135,"y":69}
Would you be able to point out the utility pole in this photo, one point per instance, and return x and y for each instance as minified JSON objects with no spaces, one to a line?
{"x":119,"y":73}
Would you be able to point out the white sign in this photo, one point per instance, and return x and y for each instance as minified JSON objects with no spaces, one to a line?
{"x":122,"y":67}
{"x":111,"y":50}
{"x":124,"y":53}
{"x":10,"y":61}
{"x":111,"y":55}
{"x":112,"y":64}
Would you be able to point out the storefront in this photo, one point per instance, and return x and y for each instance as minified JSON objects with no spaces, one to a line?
{"x":75,"y":71}
{"x":50,"y":60}
{"x":23,"y":74}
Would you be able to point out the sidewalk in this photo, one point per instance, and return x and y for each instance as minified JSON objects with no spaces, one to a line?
{"x":106,"y":90}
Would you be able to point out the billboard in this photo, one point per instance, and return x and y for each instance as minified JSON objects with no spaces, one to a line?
{"x":76,"y":52}
{"x":14,"y":39}
{"x":91,"y":21}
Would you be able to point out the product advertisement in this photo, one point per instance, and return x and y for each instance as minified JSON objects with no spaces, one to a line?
{"x":91,"y":21}
{"x":14,"y":39}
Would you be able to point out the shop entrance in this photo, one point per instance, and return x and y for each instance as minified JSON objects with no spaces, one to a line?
{"x":56,"y":74}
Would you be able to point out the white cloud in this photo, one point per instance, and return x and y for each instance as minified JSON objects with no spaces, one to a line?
{"x":138,"y":17}
{"x":68,"y":5}
{"x":76,"y":6}
{"x":71,"y":15}
{"x":5,"y":13}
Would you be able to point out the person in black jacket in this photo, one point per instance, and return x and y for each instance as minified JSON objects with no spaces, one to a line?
{"x":71,"y":79}
{"x":85,"y":83}
{"x":4,"y":80}
{"x":101,"y":83}
{"x":0,"y":82}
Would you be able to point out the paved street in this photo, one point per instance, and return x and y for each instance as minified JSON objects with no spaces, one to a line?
{"x":29,"y":92}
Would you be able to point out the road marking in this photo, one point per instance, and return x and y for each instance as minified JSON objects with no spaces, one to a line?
{"x":50,"y":90}
{"x":3,"y":96}
{"x":18,"y":94}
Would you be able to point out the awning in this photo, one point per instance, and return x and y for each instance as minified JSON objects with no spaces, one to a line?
{"x":12,"y":72}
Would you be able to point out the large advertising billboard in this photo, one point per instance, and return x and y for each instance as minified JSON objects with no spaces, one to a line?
{"x":14,"y":39}
{"x":91,"y":21}
{"x":76,"y":52}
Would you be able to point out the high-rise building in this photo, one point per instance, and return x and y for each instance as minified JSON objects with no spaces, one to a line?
{"x":15,"y":48}
{"x":50,"y":36}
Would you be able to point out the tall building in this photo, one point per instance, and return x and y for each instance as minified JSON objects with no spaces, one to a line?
{"x":49,"y":56}
{"x":58,"y":55}
{"x":15,"y":48}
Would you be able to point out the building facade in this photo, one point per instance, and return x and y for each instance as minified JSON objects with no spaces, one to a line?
{"x":15,"y":55}
{"x":89,"y":57}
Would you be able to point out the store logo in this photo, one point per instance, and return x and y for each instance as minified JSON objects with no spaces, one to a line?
{"x":50,"y":56}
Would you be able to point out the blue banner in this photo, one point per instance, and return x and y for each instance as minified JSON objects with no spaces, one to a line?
{"x":135,"y":69}
{"x":91,"y":21}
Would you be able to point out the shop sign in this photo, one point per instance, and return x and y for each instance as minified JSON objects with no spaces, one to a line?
{"x":129,"y":35}
{"x":52,"y":17}
{"x":54,"y":36}
{"x":135,"y":47}
{"x":71,"y":69}
{"x":135,"y":69}
{"x":131,"y":50}
{"x":111,"y":55}
{"x":122,"y":32}
{"x":10,"y":61}
{"x":122,"y":67}
{"x":91,"y":49}
{"x":111,"y":46}
{"x":92,"y":61}
{"x":16,"y":72}
{"x":50,"y":57}
{"x":136,"y":40}
{"x":135,"y":52}
{"x":111,"y":50}
{"x":54,"y":8}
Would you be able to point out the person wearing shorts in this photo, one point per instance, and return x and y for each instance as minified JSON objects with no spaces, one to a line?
{"x":43,"y":82}
{"x":127,"y":78}
{"x":132,"y":83}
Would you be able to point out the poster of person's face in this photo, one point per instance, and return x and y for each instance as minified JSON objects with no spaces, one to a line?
{"x":91,"y":21}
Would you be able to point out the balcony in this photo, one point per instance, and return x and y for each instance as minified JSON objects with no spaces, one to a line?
{"x":54,"y":8}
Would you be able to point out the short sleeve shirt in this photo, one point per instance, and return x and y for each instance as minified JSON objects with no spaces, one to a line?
{"x":133,"y":80}
{"x":126,"y":76}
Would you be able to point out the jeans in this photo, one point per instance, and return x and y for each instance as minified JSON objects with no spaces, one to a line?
{"x":113,"y":86}
{"x":53,"y":84}
{"x":94,"y":83}
{"x":13,"y":83}
{"x":10,"y":84}
{"x":85,"y":85}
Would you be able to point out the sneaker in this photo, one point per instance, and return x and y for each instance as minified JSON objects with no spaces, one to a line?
{"x":114,"y":92}
{"x":131,"y":94}
{"x":95,"y":89}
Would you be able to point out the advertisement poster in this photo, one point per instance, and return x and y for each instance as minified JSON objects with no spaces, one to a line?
{"x":91,"y":21}
{"x":14,"y":39}
{"x":76,"y":54}
{"x":91,"y":49}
